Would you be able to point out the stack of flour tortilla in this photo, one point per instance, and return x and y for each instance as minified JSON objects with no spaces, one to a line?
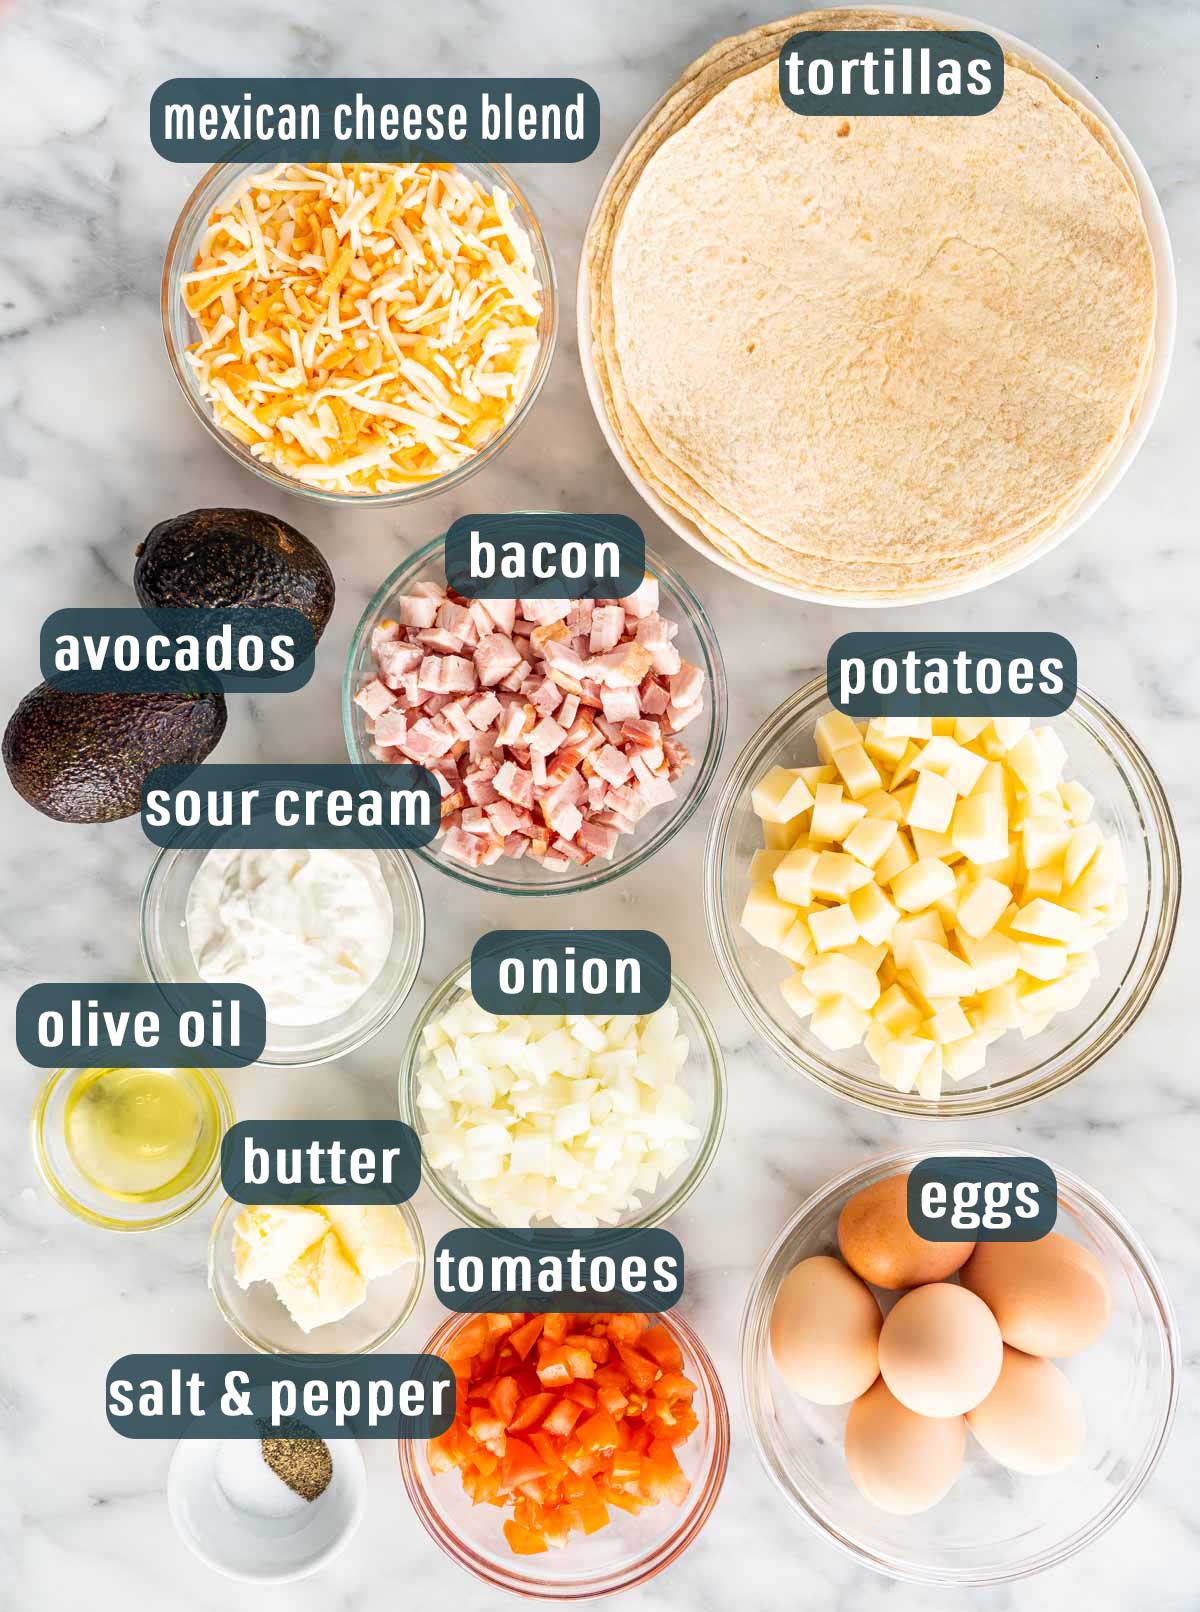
{"x":870,"y":357}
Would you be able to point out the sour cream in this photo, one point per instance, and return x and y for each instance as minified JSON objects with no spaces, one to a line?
{"x":309,"y":930}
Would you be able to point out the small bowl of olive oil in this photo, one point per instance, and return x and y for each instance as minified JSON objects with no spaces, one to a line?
{"x":131,"y":1149}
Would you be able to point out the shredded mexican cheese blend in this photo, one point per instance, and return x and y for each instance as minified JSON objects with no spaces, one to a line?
{"x":363,"y":329}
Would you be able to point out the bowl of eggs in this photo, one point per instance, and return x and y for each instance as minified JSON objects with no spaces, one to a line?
{"x":957,"y":1413}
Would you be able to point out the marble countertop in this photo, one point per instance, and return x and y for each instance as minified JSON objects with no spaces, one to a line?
{"x":96,"y":444}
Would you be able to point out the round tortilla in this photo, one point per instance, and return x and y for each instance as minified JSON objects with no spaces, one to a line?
{"x":872,"y":355}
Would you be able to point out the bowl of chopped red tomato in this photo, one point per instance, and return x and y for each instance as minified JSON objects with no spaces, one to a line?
{"x":586,"y":1454}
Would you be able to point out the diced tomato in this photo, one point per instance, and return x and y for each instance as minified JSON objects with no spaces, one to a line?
{"x":658,"y":1343}
{"x":523,"y":1541}
{"x":600,"y":1404}
{"x":524,"y":1338}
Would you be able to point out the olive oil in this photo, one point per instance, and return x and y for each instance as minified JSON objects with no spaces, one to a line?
{"x":141,"y":1135}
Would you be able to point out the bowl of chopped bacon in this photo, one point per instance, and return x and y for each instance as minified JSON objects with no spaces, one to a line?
{"x":571,"y":739}
{"x":359,"y":332}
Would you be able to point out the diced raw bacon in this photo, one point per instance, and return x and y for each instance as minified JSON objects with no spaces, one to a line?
{"x":417,"y":610}
{"x":642,"y":734}
{"x":395,"y":658}
{"x":424,"y":741}
{"x":607,"y":626}
{"x":598,"y":839}
{"x":515,"y":784}
{"x":654,"y":632}
{"x":391,"y":727}
{"x":557,"y":710}
{"x":679,"y":718}
{"x":495,"y":656}
{"x":547,"y":736}
{"x":544,"y":611}
{"x":502,"y":613}
{"x":483,"y":710}
{"x":687,"y":685}
{"x":545,"y":696}
{"x":623,"y":667}
{"x":611,"y":764}
{"x":517,"y":678}
{"x":619,"y":704}
{"x":457,"y":619}
{"x":375,"y":697}
{"x":569,"y":849}
{"x":643,"y":601}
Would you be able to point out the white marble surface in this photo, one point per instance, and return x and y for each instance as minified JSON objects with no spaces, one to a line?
{"x":96,"y":445}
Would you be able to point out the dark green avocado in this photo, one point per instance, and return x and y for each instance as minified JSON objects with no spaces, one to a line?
{"x":82,"y":758}
{"x":219,"y":558}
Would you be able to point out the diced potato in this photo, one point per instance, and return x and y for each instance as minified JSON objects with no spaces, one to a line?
{"x":875,"y":1040}
{"x":764,"y":863}
{"x":980,"y":907}
{"x":994,"y":958}
{"x":882,"y":804}
{"x":859,"y":773}
{"x":905,"y":771}
{"x":835,"y":975}
{"x":959,"y":766}
{"x":1077,"y":800}
{"x":765,"y":916}
{"x":993,"y":780}
{"x":921,"y":885}
{"x":1082,"y":846}
{"x":782,"y":836}
{"x":832,"y":731}
{"x":907,"y":727}
{"x":793,"y":877}
{"x":941,"y":846}
{"x":1041,"y":959}
{"x":837,"y":876}
{"x":968,"y":728}
{"x":1034,"y":763}
{"x":781,"y":795}
{"x":893,"y":861}
{"x":875,"y":915}
{"x":932,"y":804}
{"x":824,"y":774}
{"x":833,"y":927}
{"x":1047,"y":919}
{"x":997,"y":1010}
{"x":797,"y":996}
{"x":884,"y":749}
{"x":1010,"y":729}
{"x":865,"y":953}
{"x":929,"y":1076}
{"x":965,"y":1057}
{"x":897,"y":1011}
{"x":797,"y":945}
{"x":869,"y":839}
{"x":1047,"y":882}
{"x":903,"y":1060}
{"x":919,"y":926}
{"x":948,"y":1022}
{"x":980,"y":828}
{"x":939,"y":972}
{"x":838,"y":1023}
{"x":833,"y":815}
{"x":1044,"y":841}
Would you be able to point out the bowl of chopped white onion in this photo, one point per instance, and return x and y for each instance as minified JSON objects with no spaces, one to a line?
{"x":569,"y":1120}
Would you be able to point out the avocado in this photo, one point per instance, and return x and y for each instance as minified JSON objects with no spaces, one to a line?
{"x":82,"y":758}
{"x":218,"y":558}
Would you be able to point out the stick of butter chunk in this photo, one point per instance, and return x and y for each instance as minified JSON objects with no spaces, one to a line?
{"x":322,"y":1285}
{"x":267,"y":1238}
{"x":375,"y":1235}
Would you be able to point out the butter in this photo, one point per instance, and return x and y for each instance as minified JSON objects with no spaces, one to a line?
{"x":320,"y":1258}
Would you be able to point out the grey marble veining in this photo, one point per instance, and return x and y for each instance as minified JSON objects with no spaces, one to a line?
{"x":96,"y":445}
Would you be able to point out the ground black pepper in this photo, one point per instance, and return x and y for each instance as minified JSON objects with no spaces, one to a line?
{"x":303,"y":1462}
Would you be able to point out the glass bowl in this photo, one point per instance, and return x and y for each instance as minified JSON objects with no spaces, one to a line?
{"x":260,"y":1318}
{"x":702,"y":1076}
{"x":83,"y":1198}
{"x":179,"y":330}
{"x":995,"y":1525}
{"x":1130,"y":803}
{"x":697,"y":642}
{"x":629,"y":1552}
{"x":167,"y":957}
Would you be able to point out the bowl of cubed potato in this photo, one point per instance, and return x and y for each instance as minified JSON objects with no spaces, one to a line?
{"x":941,"y":916}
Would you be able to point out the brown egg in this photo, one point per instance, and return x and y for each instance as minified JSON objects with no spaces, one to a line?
{"x":1032,"y":1421}
{"x":940,"y":1350}
{"x":825,"y":1332}
{"x":877,"y":1241}
{"x":1049,"y":1297}
{"x":899,"y":1461}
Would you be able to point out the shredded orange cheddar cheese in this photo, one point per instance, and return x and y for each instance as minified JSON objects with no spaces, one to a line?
{"x":363,"y":329}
